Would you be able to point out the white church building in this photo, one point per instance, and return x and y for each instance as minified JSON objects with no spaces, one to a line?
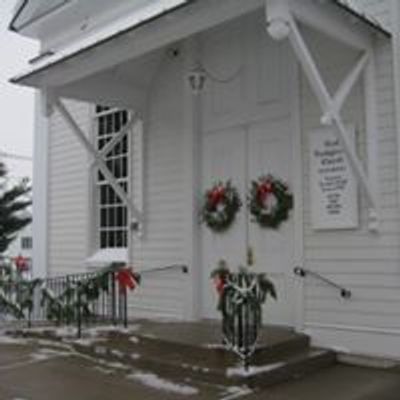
{"x":142,"y":106}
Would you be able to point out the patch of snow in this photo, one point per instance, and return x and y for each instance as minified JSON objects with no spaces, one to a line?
{"x":117,"y":353}
{"x":251,"y":371}
{"x":104,"y":257}
{"x":87,"y":341}
{"x":116,"y":365}
{"x":149,"y":336}
{"x":101,"y":330}
{"x":39,"y":356}
{"x":47,"y":354}
{"x":135,"y":356}
{"x":54,"y":344}
{"x":216,"y":346}
{"x":9,"y":340}
{"x":134,"y":339}
{"x":155,"y":382}
{"x":235,"y":392}
{"x":65,"y":331}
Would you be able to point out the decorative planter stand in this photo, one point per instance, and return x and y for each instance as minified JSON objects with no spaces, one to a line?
{"x":242,"y":296}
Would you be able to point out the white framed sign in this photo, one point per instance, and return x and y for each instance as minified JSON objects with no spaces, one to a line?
{"x":333,"y":187}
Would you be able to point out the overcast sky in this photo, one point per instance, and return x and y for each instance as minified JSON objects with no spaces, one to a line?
{"x":16,"y":103}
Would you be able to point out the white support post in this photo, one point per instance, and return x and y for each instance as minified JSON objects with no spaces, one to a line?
{"x":98,"y":160}
{"x":283,"y":25}
{"x":372,"y":135}
{"x":192,"y":162}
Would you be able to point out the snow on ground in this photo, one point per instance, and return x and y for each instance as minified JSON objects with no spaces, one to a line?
{"x":214,"y":346}
{"x":65,"y":331}
{"x":9,"y":340}
{"x":148,"y":336}
{"x":235,"y":392}
{"x":101,"y":330}
{"x":155,"y":382}
{"x":251,"y":371}
{"x":87,"y":342}
{"x":47,"y":354}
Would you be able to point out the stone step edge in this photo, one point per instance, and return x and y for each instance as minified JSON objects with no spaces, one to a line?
{"x":275,"y":372}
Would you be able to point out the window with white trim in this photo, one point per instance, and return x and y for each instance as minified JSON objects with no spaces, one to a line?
{"x":26,"y":242}
{"x":112,"y":214}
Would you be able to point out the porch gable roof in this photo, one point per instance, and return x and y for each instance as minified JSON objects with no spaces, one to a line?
{"x":36,"y":75}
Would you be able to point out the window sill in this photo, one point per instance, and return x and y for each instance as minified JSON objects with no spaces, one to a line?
{"x":104,"y":257}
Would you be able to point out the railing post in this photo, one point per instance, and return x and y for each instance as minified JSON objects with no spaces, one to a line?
{"x":113,"y":299}
{"x":68,"y":321}
{"x":79,"y":311}
{"x":125,"y":300}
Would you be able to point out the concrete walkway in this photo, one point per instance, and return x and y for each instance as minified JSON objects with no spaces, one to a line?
{"x":40,"y":370}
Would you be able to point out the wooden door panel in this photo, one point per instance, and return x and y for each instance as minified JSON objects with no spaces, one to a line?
{"x":223,"y":158}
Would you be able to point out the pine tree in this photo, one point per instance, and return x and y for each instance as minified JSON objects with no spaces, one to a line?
{"x":14,"y":203}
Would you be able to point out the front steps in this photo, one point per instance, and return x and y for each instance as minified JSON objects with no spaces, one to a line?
{"x":193,"y":350}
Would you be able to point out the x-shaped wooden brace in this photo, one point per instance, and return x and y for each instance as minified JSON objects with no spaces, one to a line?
{"x":330,"y":105}
{"x":98,"y":157}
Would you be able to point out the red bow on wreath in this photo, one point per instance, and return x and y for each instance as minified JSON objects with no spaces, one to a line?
{"x":264,"y":190}
{"x":127,"y":279}
{"x":216,"y":196}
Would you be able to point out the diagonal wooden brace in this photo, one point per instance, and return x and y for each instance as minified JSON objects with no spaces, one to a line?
{"x":117,"y":138}
{"x":332,"y":105}
{"x":345,"y":88}
{"x":98,"y":159}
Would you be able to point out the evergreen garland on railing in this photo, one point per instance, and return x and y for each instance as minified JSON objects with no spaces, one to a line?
{"x":16,"y":293}
{"x":76,"y":297}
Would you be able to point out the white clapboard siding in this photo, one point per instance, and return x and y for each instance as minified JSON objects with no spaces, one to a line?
{"x":162,"y":293}
{"x":365,"y":262}
{"x":68,"y":194}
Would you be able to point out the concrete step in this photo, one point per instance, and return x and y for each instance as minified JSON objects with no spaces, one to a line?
{"x":194,"y":351}
{"x":221,"y":367}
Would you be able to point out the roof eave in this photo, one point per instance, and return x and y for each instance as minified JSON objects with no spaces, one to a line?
{"x":19,"y":9}
{"x":363,"y":18}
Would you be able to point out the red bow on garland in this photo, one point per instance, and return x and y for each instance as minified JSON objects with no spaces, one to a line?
{"x":216,"y":196}
{"x":127,"y":279}
{"x":21,"y":263}
{"x":220,"y":282}
{"x":264,"y":190}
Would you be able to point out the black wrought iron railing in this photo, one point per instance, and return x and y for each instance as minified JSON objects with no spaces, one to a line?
{"x":178,"y":267}
{"x":88,"y":298}
{"x":75,"y":299}
{"x":303,"y":273}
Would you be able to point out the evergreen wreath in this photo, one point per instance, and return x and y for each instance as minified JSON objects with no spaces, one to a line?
{"x":221,"y":204}
{"x":270,"y":201}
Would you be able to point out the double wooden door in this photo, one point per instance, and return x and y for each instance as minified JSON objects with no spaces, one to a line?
{"x":242,"y":154}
